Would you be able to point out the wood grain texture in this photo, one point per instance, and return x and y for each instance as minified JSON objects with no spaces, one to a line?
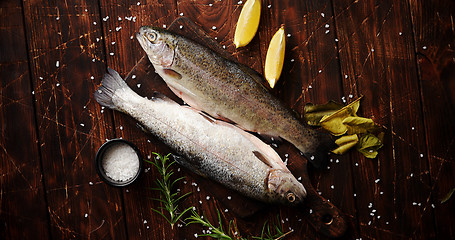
{"x":311,"y":74}
{"x":21,"y":178}
{"x":435,"y":46}
{"x":121,"y":20}
{"x":377,"y":62}
{"x":66,"y":58}
{"x":398,"y":54}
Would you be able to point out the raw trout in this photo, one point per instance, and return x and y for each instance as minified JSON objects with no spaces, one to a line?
{"x":228,"y":91}
{"x":211,"y":148}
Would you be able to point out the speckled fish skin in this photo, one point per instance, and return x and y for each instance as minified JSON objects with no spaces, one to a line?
{"x":211,"y":148}
{"x":228,"y":91}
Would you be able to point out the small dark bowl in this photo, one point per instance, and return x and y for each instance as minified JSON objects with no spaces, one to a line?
{"x":99,"y":163}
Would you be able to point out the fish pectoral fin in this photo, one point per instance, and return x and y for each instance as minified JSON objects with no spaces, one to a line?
{"x":186,"y":95}
{"x":172,"y":73}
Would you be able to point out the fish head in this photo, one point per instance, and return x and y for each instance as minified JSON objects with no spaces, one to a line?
{"x":159,"y":45}
{"x":284,"y":186}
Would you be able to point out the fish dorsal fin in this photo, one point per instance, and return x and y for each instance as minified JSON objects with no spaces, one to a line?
{"x":263,"y":151}
{"x":262,"y":158}
{"x":208,"y":117}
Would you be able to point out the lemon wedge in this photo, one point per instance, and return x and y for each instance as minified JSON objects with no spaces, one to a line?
{"x":275,"y":57}
{"x":248,"y":23}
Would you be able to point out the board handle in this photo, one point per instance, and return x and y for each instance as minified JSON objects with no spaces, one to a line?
{"x":324,"y":216}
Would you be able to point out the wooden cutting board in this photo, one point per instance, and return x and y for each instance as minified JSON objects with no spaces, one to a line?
{"x":319,"y":212}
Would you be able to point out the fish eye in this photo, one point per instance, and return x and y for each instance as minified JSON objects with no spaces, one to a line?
{"x":151,"y":36}
{"x":291,"y":197}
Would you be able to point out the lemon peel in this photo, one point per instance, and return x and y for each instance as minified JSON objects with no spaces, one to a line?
{"x":275,"y":57}
{"x":248,"y":23}
{"x":345,"y":143}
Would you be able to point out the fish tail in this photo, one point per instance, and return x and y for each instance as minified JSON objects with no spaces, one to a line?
{"x":318,"y":155}
{"x":111,"y":82}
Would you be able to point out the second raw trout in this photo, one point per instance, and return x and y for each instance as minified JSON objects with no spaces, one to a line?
{"x":227,"y":90}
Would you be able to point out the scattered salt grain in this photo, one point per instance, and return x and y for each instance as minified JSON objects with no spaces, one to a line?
{"x":424,"y":47}
{"x":229,"y":197}
{"x":58,"y":84}
{"x":145,"y":221}
{"x":181,"y":27}
{"x":57,"y":64}
{"x":322,"y":14}
{"x":181,"y":14}
{"x":138,"y":3}
{"x":86,"y":215}
{"x":332,"y":187}
{"x":327,"y":31}
{"x":326,"y":25}
{"x":207,"y":198}
{"x":269,"y":6}
{"x":120,"y":162}
{"x":320,"y":70}
{"x":112,"y":43}
{"x":112,"y":54}
{"x":345,"y":76}
{"x":164,"y":25}
{"x":210,"y":4}
{"x":292,"y":59}
{"x":289,"y":35}
{"x":118,"y":28}
{"x":121,"y":127}
{"x":92,"y":77}
{"x":377,"y":180}
{"x":105,"y":18}
{"x":239,"y":2}
{"x":94,"y":23}
{"x":119,"y":18}
{"x":226,"y":210}
{"x":33,"y":92}
{"x":421,"y":155}
{"x":138,"y":85}
{"x":82,"y":124}
{"x":57,"y":18}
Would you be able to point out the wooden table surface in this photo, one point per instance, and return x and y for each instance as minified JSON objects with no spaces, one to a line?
{"x":399,"y":55}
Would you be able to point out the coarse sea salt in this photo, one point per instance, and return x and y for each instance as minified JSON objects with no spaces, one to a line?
{"x":120,"y":162}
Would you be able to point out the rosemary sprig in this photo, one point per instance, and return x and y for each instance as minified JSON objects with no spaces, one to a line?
{"x":232,"y":234}
{"x":169,"y":200}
